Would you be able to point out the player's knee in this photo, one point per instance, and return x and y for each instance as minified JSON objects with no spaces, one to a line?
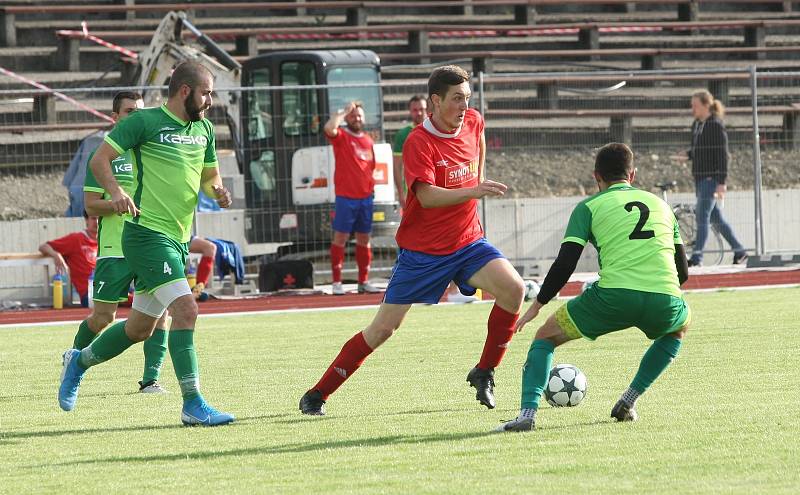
{"x":377,"y":334}
{"x":680,"y":333}
{"x":512,"y":295}
{"x":184,"y":312}
{"x":100,"y":320}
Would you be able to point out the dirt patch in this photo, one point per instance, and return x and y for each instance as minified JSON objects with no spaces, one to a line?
{"x":568,"y":173}
{"x":527,"y":173}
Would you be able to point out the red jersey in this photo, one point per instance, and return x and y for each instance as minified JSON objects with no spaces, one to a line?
{"x":80,"y":253}
{"x":449,"y":161}
{"x":355,"y":164}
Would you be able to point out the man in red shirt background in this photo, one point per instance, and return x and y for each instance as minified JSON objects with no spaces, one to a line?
{"x":440,"y":239}
{"x":355,"y":186}
{"x":75,"y":255}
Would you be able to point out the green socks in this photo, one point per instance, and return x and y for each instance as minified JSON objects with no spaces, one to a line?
{"x":155,"y":349}
{"x":184,"y":360}
{"x":655,"y":361}
{"x":111,"y":343}
{"x":535,"y":371}
{"x":84,"y":337}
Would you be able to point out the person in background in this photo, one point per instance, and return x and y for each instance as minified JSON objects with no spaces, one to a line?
{"x":75,"y":255}
{"x":355,"y":188}
{"x":709,"y":155}
{"x":75,"y":175}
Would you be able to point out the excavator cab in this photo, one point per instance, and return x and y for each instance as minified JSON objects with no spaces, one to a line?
{"x":286,"y":160}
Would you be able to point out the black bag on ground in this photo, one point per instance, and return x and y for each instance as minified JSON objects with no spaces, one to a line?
{"x":289,"y":274}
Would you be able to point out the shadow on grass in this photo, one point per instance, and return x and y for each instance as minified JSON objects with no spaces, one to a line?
{"x":291,"y":448}
{"x":414,"y":412}
{"x":119,"y":429}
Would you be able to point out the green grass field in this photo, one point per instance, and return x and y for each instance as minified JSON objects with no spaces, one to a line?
{"x":722,"y":419}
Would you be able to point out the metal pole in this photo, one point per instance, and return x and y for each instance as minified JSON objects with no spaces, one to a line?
{"x":482,"y":109}
{"x":759,"y":211}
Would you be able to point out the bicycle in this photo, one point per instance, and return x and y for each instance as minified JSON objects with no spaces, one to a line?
{"x":713,"y":251}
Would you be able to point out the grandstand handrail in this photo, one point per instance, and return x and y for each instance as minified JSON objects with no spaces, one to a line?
{"x":501,"y":28}
{"x":636,"y":112}
{"x":76,"y":126}
{"x":339,"y":4}
{"x":587,"y":53}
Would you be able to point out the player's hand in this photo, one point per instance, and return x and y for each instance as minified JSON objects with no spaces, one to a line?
{"x":490,"y":188}
{"x":719,"y":193}
{"x":61,"y":265}
{"x":222,"y":195}
{"x":122,"y":203}
{"x":401,"y":199}
{"x":529,"y":315}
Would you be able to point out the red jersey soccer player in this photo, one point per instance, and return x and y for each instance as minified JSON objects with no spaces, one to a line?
{"x":355,"y":185}
{"x":440,"y":240}
{"x":76,"y":254}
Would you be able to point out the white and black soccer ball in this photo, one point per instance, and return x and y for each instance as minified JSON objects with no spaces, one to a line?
{"x":566,"y":386}
{"x":531,"y":290}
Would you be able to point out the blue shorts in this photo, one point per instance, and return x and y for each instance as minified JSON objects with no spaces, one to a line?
{"x":422,"y":278}
{"x":353,"y":215}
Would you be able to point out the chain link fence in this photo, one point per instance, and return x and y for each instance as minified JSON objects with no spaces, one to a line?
{"x":541,"y":133}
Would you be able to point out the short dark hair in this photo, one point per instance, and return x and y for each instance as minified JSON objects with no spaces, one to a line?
{"x":614,"y":162}
{"x":124,"y":95}
{"x":189,"y":73}
{"x":443,"y":77}
{"x":416,"y":98}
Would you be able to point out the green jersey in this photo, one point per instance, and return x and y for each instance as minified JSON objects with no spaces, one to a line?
{"x":169,"y":155}
{"x":635,"y":234}
{"x":109,"y":229}
{"x":400,"y":139}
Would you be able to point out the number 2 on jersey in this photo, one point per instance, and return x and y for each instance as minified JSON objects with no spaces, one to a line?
{"x":644,"y":214}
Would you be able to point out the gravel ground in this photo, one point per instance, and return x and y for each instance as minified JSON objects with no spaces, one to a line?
{"x":528,"y":174}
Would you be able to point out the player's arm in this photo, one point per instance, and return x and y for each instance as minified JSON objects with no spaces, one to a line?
{"x":577,"y":235}
{"x":211,"y":184}
{"x":397,"y":171}
{"x":431,"y":196}
{"x":332,"y":125}
{"x":681,"y":263}
{"x":101,"y":168}
{"x":96,"y":206}
{"x":482,"y":158}
{"x":61,"y":265}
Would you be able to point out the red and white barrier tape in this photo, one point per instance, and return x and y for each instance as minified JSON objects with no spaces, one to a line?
{"x":61,"y":96}
{"x":84,"y":33}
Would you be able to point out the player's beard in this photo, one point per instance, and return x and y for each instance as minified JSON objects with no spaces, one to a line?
{"x":192,"y":109}
{"x":356,"y":127}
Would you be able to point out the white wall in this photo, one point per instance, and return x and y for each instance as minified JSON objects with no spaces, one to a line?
{"x":528,"y":231}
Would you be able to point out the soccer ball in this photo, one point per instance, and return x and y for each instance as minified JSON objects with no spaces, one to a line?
{"x":566,"y":386}
{"x":531,"y":290}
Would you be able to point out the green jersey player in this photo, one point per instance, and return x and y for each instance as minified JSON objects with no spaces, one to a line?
{"x":642,"y":266}
{"x":112,"y":276}
{"x":174,"y":155}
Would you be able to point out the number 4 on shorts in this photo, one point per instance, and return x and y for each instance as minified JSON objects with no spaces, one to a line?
{"x":167,"y":269}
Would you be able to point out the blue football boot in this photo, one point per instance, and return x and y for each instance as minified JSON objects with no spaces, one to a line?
{"x":198,"y":412}
{"x":71,"y":376}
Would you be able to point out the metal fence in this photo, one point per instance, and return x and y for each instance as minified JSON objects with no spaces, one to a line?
{"x":541,"y":133}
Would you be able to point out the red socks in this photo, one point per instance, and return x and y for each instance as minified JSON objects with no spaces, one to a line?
{"x":501,"y":329}
{"x":353,"y":353}
{"x":363,"y":259}
{"x":204,"y":269}
{"x":337,"y":260}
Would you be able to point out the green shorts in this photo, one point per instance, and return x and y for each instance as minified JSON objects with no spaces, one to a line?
{"x":112,"y":280}
{"x":600,"y":311}
{"x":155,"y":259}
